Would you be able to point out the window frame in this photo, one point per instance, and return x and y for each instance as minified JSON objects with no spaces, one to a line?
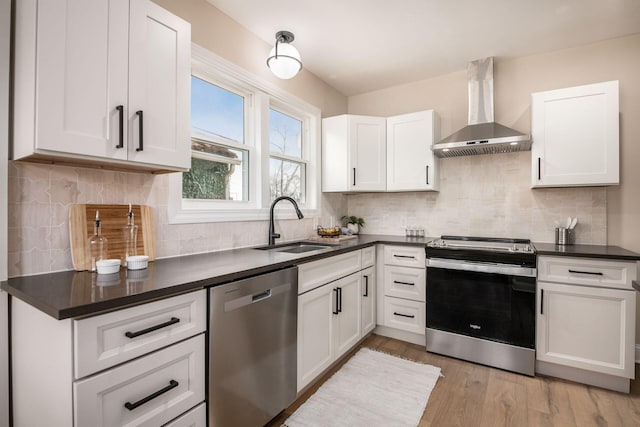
{"x":259,"y":97}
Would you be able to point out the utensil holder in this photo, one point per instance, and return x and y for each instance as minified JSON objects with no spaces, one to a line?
{"x":565,"y":236}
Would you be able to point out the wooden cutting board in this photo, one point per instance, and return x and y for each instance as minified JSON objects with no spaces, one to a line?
{"x":112,"y":220}
{"x":337,"y":239}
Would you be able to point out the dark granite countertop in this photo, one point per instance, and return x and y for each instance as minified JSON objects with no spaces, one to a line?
{"x":586,"y":251}
{"x":75,"y":294}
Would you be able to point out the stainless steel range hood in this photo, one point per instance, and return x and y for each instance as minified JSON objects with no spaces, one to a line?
{"x":482,"y":135}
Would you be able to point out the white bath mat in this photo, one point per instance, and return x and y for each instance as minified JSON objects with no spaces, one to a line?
{"x":371,"y":389}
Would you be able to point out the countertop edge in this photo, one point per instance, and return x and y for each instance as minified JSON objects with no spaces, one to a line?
{"x":196,"y":282}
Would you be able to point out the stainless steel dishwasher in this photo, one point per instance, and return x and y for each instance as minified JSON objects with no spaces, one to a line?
{"x":252,"y":349}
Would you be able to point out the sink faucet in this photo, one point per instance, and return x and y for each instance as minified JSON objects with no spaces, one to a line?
{"x":272,"y":232}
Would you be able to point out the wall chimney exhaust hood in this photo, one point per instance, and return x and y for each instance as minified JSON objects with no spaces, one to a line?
{"x":482,"y":135}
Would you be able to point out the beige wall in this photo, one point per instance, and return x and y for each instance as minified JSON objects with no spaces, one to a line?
{"x":515,"y":80}
{"x":213,"y":30}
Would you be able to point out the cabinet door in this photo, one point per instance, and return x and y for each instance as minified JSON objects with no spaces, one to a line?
{"x":348,"y":321}
{"x":159,"y":70}
{"x":411,"y":164}
{"x":314,"y":333}
{"x":575,"y":136}
{"x":368,"y":300}
{"x":368,"y":153}
{"x":81,"y":78}
{"x":587,"y":328}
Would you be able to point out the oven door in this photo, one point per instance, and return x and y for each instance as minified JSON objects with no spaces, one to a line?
{"x":488,"y":301}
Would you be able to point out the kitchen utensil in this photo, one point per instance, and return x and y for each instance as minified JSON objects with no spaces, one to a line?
{"x":568,"y":222}
{"x":564,"y":236}
{"x":574,"y":222}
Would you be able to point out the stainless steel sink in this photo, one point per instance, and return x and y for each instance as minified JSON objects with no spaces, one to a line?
{"x":295,"y":248}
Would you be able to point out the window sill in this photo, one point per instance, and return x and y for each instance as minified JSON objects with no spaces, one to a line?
{"x":194,"y":216}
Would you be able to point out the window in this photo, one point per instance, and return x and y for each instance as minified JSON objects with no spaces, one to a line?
{"x":287,"y":168}
{"x":250,"y":143}
{"x":218,"y":165}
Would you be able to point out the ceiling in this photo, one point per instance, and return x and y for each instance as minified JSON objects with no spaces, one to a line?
{"x":359,"y":46}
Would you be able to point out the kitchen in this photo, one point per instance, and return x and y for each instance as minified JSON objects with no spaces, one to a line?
{"x":494,"y":188}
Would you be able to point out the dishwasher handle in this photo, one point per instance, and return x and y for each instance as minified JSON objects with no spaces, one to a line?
{"x":261,"y":296}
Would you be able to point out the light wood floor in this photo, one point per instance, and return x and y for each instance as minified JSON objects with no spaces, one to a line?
{"x":476,"y":395}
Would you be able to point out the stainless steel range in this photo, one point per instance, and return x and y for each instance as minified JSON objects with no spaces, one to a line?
{"x":481,"y":301}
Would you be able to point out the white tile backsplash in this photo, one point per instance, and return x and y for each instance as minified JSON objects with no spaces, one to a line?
{"x":486,"y":195}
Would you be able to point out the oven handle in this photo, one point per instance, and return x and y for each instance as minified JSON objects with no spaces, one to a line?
{"x":481,"y":267}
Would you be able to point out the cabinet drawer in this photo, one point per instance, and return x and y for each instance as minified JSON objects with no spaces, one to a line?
{"x":404,"y":282}
{"x":112,"y":338}
{"x":197,"y":417}
{"x":404,"y":314}
{"x":316,"y":273}
{"x":587,"y":271}
{"x":148,"y":391}
{"x":407,"y":256}
{"x":368,"y":256}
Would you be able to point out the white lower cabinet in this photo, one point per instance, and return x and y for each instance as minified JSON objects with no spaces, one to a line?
{"x":139,"y":366}
{"x":333,"y":317}
{"x":368,"y":299}
{"x":347,"y":318}
{"x":149,"y":391}
{"x":315,"y":345}
{"x":403,"y":285}
{"x":585,"y":327}
{"x":329,"y":324}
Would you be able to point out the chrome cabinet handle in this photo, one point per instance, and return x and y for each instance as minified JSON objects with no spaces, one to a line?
{"x":404,"y":256}
{"x":131,"y":406}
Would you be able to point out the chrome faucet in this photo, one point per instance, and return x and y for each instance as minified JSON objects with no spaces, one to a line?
{"x":272,"y":232}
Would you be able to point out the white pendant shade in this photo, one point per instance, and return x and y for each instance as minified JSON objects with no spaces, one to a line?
{"x":287,"y":63}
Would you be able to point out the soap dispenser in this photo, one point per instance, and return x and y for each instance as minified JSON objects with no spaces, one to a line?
{"x":97,"y":245}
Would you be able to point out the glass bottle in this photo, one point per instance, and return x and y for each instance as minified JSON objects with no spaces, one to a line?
{"x":97,"y":245}
{"x":130,"y":237}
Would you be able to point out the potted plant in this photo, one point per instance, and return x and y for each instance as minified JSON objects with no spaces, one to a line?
{"x":353,"y":223}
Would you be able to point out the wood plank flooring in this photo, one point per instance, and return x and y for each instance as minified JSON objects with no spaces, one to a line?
{"x":476,"y":395}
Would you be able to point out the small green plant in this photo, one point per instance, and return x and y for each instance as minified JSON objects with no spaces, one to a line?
{"x":353,"y":220}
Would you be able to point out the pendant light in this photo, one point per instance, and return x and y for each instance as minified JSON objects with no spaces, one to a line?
{"x":284,"y":59}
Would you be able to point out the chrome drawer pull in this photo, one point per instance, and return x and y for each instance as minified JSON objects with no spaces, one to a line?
{"x":404,"y":256}
{"x":131,"y":406}
{"x":411,"y":316}
{"x":593,"y":273}
{"x":152,"y":328}
{"x":404,"y":283}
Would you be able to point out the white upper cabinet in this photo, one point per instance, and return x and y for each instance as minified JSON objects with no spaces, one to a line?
{"x":354,"y":153}
{"x":575,"y":134}
{"x":103,"y":82}
{"x":411,"y":165}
